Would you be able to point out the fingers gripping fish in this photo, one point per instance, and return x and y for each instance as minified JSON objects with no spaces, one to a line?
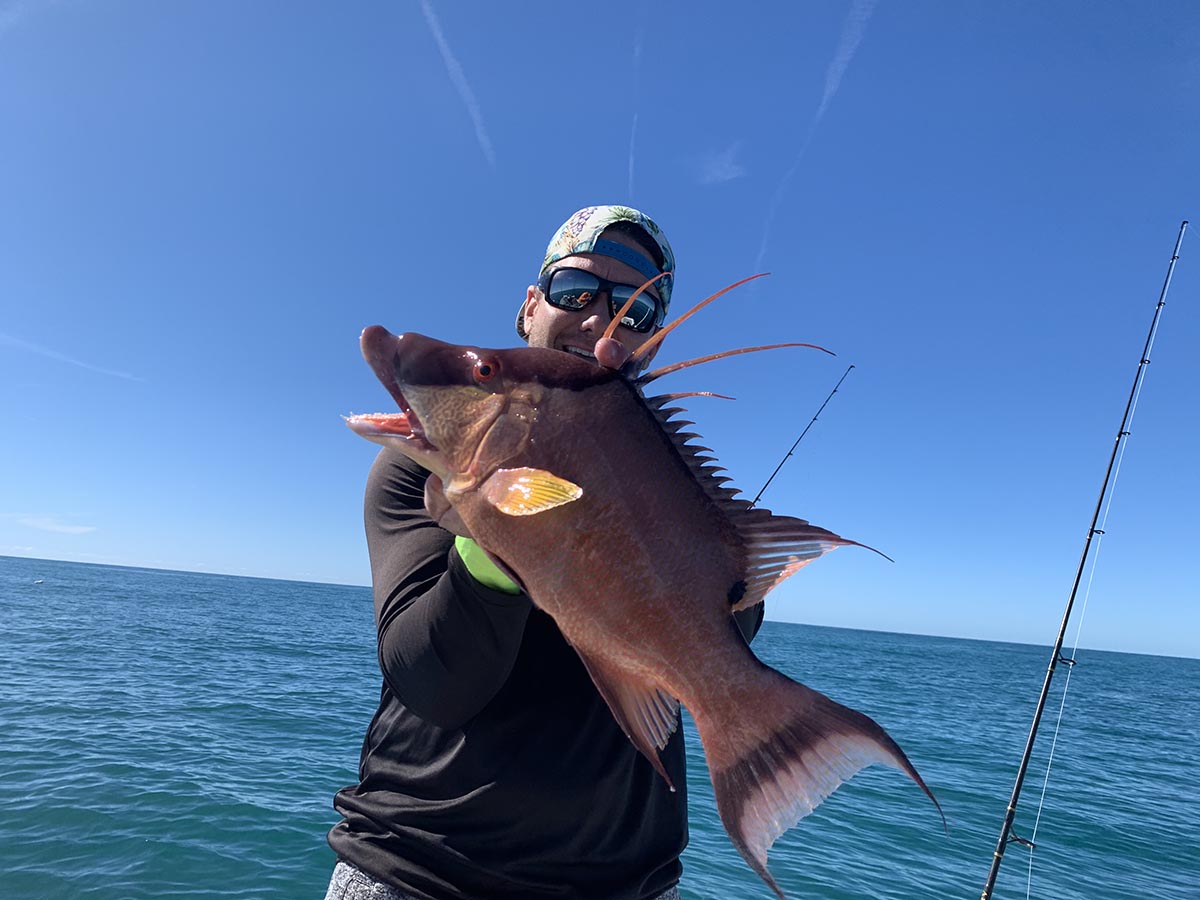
{"x":532,"y":449}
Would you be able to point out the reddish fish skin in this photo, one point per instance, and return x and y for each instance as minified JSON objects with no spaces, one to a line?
{"x":656,"y":530}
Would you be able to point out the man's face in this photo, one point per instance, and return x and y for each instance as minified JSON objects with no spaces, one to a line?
{"x":577,"y":331}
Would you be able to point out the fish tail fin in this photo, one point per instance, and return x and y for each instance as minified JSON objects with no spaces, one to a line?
{"x":784,"y":751}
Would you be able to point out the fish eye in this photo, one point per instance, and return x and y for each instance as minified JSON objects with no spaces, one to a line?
{"x":485,"y":369}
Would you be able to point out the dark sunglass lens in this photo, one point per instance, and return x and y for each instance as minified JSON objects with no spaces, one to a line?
{"x":572,"y":289}
{"x":641,"y":316}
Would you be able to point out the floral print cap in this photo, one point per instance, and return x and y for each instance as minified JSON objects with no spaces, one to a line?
{"x":581,"y":234}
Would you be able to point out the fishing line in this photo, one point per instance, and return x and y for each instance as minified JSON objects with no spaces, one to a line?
{"x":1079,"y":627}
{"x":1095,"y":531}
{"x":758,"y":496}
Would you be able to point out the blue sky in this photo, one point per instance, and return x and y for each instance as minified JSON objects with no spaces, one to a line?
{"x":203,"y":203}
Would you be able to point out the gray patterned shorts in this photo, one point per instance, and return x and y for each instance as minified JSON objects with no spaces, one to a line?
{"x":351,"y":883}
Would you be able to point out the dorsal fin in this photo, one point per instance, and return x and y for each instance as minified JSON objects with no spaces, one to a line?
{"x":775,"y":546}
{"x":669,"y":419}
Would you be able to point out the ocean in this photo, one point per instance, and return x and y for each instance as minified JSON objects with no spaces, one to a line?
{"x":171,"y":734}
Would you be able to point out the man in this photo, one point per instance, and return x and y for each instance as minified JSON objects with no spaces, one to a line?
{"x":493,"y":768}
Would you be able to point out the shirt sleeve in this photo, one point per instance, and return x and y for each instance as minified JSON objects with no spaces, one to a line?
{"x":750,"y":620}
{"x":446,"y":642}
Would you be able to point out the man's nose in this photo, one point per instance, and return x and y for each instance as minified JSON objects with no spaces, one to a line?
{"x":599,"y":314}
{"x":597,"y":321}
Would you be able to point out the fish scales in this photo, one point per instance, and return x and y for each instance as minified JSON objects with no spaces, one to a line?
{"x":591,"y":497}
{"x":623,"y":535}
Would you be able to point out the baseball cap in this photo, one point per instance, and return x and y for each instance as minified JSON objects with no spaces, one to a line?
{"x":581,"y":234}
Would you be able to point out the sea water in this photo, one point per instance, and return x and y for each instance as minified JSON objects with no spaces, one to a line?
{"x":170,"y":734}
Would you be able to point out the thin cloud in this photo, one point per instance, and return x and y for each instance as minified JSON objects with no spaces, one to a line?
{"x":14,"y":12}
{"x":11,"y":14}
{"x":459,"y":79}
{"x":717,"y":167}
{"x":7,"y":340}
{"x":51,"y":523}
{"x":853,"y":30}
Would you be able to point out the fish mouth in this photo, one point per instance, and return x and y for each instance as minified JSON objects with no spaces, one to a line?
{"x":389,"y":425}
{"x":379,"y":349}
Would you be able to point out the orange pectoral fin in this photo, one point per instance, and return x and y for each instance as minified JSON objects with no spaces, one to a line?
{"x":526,"y":492}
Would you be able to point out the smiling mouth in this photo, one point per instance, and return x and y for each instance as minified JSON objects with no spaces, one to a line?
{"x":576,"y":351}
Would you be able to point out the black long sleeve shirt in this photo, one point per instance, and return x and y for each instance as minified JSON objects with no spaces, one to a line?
{"x":493,"y":768}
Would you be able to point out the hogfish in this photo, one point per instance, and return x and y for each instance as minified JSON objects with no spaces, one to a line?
{"x":581,"y":487}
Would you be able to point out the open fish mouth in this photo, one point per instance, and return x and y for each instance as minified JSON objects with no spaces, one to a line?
{"x":403,"y":424}
{"x":383,"y":425}
{"x":379,"y":350}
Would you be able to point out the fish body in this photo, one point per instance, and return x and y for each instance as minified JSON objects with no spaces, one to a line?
{"x":597,"y":503}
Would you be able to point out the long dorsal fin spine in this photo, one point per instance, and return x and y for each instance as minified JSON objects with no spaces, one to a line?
{"x":645,"y":349}
{"x":616,"y":320}
{"x":675,"y":367}
{"x":683,"y":394}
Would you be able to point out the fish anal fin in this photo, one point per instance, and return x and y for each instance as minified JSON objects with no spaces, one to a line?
{"x":793,"y":748}
{"x":526,"y":492}
{"x":776,"y":548}
{"x":647,"y":715}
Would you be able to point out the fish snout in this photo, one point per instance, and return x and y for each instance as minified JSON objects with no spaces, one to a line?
{"x":376,"y":342}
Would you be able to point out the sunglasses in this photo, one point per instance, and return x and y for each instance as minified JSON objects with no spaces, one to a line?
{"x":574,"y":289}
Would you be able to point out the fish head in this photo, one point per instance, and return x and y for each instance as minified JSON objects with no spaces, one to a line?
{"x":464,"y":411}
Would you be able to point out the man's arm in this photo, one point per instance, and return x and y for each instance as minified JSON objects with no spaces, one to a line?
{"x":446,"y":642}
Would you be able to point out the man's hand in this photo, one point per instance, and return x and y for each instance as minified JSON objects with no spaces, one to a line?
{"x":440,"y":510}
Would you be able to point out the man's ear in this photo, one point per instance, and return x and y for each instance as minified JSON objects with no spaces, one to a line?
{"x":531,"y":302}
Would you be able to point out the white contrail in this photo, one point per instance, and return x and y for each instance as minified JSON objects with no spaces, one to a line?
{"x":7,"y":340}
{"x":637,"y":67}
{"x":777,"y":199}
{"x":853,"y":30}
{"x":459,"y":80}
{"x":852,"y":34}
{"x":632,"y":137}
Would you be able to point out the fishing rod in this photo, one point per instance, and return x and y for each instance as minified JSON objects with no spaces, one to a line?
{"x":758,"y":496}
{"x":1007,"y":835}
